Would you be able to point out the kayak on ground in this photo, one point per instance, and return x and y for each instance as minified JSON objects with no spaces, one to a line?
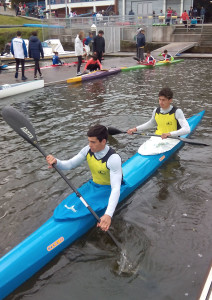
{"x":94,"y":75}
{"x":59,"y":65}
{"x":3,"y":67}
{"x":13,"y":67}
{"x":71,"y":219}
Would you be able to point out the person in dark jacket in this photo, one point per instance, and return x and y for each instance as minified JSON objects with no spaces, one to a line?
{"x":35,"y":51}
{"x":99,"y":45}
{"x":140,"y":44}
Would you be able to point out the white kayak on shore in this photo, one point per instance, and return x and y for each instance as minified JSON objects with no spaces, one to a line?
{"x":7,"y":90}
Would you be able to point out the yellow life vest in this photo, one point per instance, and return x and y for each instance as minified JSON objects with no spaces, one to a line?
{"x":166,"y":122}
{"x":98,"y":167}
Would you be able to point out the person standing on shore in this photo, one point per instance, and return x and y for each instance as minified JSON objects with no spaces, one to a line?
{"x":35,"y":52}
{"x":87,"y":41}
{"x":184,"y":18}
{"x":19,"y":51}
{"x":99,"y":45}
{"x":202,"y":14}
{"x":79,"y":50}
{"x":141,"y":41}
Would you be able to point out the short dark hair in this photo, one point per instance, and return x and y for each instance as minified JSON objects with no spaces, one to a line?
{"x":95,"y":57}
{"x":165,"y":51}
{"x":34,"y":33}
{"x":101,"y":31}
{"x":18,"y":33}
{"x":166,"y":92}
{"x":98,"y":131}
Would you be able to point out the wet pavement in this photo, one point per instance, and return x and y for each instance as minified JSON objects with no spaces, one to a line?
{"x":61,"y":73}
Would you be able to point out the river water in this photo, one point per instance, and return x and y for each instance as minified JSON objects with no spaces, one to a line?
{"x":165,"y":225}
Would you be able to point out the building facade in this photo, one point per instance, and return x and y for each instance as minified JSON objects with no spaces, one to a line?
{"x":119,"y":7}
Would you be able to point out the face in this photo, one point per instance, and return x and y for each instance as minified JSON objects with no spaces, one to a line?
{"x":95,"y":144}
{"x":164,"y":102}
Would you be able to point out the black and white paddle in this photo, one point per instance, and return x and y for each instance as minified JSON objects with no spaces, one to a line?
{"x":24,"y":128}
{"x":115,"y":131}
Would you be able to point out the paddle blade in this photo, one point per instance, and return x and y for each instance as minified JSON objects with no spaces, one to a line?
{"x":20,"y":124}
{"x":114,"y":131}
{"x":194,"y":142}
{"x":136,"y":58}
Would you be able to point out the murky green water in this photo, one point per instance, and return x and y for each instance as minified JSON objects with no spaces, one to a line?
{"x":165,"y":225}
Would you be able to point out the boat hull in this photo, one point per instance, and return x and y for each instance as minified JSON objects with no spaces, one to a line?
{"x":19,"y":88}
{"x":94,"y":75}
{"x":158,"y":64}
{"x":55,"y":235}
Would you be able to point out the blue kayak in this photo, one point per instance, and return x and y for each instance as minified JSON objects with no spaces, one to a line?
{"x":71,"y":219}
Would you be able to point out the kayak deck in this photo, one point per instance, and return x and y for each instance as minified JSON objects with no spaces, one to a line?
{"x":71,"y":219}
{"x":94,"y":75}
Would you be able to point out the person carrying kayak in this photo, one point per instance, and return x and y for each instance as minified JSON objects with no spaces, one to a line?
{"x":169,"y":120}
{"x":93,"y":64}
{"x":55,"y":59}
{"x":167,"y":56}
{"x":105,"y":166}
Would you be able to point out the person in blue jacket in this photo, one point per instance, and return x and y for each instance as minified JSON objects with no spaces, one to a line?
{"x":35,"y":52}
{"x":19,"y":51}
{"x":141,"y":40}
{"x":55,"y":59}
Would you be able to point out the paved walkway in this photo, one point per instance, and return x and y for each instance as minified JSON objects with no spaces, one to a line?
{"x":60,"y":74}
{"x":8,"y":12}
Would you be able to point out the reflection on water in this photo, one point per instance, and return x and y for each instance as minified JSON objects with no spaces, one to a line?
{"x":164,"y":226}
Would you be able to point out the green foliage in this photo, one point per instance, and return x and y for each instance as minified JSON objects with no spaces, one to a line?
{"x":6,"y":20}
{"x":7,"y":34}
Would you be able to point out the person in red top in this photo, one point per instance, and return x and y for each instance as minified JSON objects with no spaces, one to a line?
{"x":184,"y":17}
{"x":93,"y":64}
{"x":167,"y":56}
{"x":149,"y":59}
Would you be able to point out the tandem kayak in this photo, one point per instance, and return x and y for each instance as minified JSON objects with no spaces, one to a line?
{"x":71,"y":219}
{"x":158,"y":64}
{"x":7,"y":90}
{"x":94,"y":75}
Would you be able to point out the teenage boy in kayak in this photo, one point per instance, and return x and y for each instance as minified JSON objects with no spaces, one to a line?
{"x":105,"y":166}
{"x":167,"y":56}
{"x":149,"y":60}
{"x":170,"y":120}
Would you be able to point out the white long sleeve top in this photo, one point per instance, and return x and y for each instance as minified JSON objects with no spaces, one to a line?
{"x":114,"y":165}
{"x":185,"y":129}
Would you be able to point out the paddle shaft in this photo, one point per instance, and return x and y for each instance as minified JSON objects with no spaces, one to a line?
{"x":79,"y":196}
{"x":115,"y":131}
{"x":24,"y":128}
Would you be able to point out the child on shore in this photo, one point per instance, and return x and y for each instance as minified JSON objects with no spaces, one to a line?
{"x":55,"y":59}
{"x":93,"y":64}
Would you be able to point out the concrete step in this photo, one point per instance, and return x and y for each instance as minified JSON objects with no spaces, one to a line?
{"x":206,"y":38}
{"x":206,"y":43}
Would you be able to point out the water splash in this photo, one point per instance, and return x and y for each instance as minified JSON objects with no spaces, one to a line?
{"x":125,"y":267}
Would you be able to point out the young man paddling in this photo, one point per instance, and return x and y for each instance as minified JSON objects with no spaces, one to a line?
{"x":105,"y":166}
{"x":170,"y":120}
